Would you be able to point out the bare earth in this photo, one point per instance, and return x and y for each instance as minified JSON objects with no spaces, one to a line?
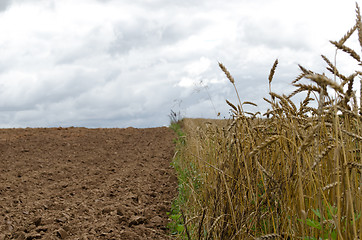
{"x":78,"y":183}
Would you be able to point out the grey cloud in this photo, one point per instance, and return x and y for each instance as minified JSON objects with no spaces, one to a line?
{"x":52,"y":88}
{"x":90,"y":46}
{"x":145,"y":33}
{"x":273,"y":35}
{"x":4,"y":4}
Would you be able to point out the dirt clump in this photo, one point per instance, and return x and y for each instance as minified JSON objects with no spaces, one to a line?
{"x":78,"y":183}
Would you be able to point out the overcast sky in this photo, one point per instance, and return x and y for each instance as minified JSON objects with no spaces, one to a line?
{"x":121,"y":63}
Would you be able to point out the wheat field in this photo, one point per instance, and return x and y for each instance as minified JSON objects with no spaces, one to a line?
{"x":293,"y":172}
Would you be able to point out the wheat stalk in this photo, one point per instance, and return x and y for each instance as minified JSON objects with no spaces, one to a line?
{"x":347,"y":35}
{"x":352,"y":135}
{"x":272,"y":72}
{"x":263,"y":145}
{"x":227,"y":73}
{"x":346,"y":49}
{"x":359,"y":24}
{"x":322,"y":80}
{"x":269,"y":236}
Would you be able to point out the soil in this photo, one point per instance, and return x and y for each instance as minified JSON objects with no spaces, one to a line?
{"x":78,"y":183}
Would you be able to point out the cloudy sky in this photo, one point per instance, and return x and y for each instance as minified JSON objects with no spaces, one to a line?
{"x":121,"y":63}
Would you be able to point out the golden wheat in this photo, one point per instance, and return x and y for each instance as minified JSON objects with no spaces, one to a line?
{"x":293,"y":175}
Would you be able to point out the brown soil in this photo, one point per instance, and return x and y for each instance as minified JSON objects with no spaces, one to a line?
{"x":78,"y":183}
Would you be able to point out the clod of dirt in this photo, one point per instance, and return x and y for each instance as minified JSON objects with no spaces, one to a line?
{"x":120,"y":211}
{"x":61,"y":233}
{"x":107,"y":210}
{"x":157,"y":220}
{"x":33,"y":236}
{"x":134,"y":198}
{"x":129,"y":235}
{"x":41,"y":229}
{"x":136,"y":220}
{"x":37,"y":221}
{"x":62,"y":220}
{"x":121,"y":219}
{"x":21,"y":236}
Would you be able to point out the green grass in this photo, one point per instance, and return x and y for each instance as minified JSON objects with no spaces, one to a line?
{"x":177,"y":224}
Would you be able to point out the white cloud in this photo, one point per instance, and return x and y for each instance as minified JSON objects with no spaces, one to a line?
{"x":104,"y":63}
{"x":186,"y":82}
{"x":198,"y":67}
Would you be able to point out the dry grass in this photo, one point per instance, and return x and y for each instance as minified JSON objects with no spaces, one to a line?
{"x":293,"y":175}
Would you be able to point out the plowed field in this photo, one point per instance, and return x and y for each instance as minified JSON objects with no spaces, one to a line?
{"x":78,"y":183}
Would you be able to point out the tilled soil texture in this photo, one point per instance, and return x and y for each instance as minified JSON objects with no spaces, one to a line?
{"x":78,"y":183}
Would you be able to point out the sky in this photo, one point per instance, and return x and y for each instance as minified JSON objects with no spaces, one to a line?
{"x":128,"y":63}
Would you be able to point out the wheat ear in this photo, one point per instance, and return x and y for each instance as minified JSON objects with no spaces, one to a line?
{"x":359,"y":24}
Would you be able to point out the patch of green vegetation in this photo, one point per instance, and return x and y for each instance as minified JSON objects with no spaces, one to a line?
{"x":180,"y":140}
{"x":329,"y":228}
{"x":177,"y":224}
